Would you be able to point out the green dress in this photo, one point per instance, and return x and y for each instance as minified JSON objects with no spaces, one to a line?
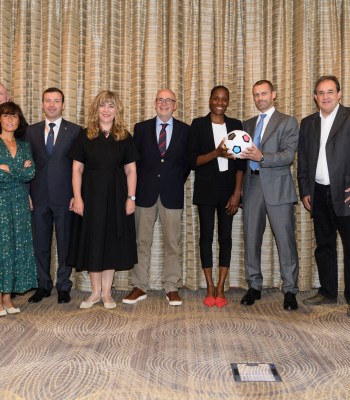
{"x":17,"y":262}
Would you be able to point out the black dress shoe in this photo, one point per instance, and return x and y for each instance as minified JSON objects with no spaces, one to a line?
{"x":290,"y":301}
{"x":249,"y":298}
{"x":63,"y":297}
{"x":39,"y":295}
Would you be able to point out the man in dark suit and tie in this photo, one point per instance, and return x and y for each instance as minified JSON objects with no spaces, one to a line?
{"x":162,"y":171}
{"x":324,"y":184}
{"x":51,"y":193}
{"x":268,"y":189}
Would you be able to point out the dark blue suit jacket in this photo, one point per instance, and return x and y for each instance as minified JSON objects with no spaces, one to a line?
{"x":161,"y":176}
{"x":52,"y":184}
{"x":207,"y":182}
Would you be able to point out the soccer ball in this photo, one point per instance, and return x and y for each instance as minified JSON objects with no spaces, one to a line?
{"x":238,"y":141}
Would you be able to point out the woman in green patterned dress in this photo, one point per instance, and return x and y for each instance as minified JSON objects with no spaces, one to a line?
{"x":17,"y":263}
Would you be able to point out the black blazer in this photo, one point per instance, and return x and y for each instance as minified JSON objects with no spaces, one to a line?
{"x":206,"y":184}
{"x":161,"y":176}
{"x":52,"y":184}
{"x":337,"y":152}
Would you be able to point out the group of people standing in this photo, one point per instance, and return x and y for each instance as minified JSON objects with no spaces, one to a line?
{"x":104,"y":190}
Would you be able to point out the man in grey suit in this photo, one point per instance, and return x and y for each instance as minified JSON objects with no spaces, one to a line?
{"x":51,"y":193}
{"x":324,"y":184}
{"x":268,"y":189}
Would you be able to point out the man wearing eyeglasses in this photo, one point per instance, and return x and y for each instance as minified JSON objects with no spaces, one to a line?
{"x":324,"y":184}
{"x":161,"y":174}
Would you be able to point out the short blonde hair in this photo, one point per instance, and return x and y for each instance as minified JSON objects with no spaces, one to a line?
{"x":118,"y":131}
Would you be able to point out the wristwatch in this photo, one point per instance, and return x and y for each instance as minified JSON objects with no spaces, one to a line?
{"x":262,"y":158}
{"x":133,"y":198}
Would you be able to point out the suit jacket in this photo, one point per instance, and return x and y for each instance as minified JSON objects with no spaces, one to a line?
{"x":52,"y":184}
{"x":157,"y":175}
{"x":337,"y":153}
{"x":207,"y":183}
{"x":278,"y":145}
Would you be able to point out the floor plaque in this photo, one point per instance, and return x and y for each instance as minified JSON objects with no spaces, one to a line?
{"x":255,"y":372}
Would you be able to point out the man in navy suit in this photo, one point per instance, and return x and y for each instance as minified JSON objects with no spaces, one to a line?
{"x":324,"y":184}
{"x":51,"y":193}
{"x":162,"y":171}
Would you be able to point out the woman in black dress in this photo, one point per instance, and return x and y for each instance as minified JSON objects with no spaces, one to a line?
{"x":104,"y":184}
{"x":217,"y":188}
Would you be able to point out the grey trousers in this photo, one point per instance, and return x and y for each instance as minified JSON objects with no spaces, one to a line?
{"x":281,"y":218}
{"x":170,"y":219}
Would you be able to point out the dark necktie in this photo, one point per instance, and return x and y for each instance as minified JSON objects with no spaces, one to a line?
{"x":50,"y":139}
{"x":257,"y":134}
{"x":162,"y":140}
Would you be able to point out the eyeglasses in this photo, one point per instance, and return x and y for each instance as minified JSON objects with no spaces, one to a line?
{"x":328,"y":93}
{"x":166,"y":101}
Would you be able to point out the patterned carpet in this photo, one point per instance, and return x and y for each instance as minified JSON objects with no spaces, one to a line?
{"x":157,"y":352}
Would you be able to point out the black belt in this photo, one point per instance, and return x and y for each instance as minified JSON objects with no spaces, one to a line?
{"x":256,"y":172}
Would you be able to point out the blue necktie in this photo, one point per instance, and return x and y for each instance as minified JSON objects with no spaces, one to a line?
{"x":50,"y":139}
{"x":253,"y":164}
{"x":162,"y":140}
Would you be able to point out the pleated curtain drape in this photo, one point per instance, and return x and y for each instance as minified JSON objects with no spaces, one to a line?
{"x":135,"y":47}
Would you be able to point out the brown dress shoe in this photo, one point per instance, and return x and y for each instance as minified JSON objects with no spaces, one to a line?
{"x":134,"y":296}
{"x":174,"y":299}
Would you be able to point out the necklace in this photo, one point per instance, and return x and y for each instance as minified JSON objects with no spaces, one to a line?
{"x":12,"y":143}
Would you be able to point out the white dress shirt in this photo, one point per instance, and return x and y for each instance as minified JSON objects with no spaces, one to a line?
{"x":56,"y":128}
{"x":322,"y":174}
{"x":268,"y":113}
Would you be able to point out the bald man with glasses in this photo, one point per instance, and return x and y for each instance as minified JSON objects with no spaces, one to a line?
{"x":162,"y":171}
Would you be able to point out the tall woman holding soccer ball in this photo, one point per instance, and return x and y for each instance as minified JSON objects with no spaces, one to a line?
{"x":217,"y":188}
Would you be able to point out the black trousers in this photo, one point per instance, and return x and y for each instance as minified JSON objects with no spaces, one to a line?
{"x":207,"y":224}
{"x":326,"y":226}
